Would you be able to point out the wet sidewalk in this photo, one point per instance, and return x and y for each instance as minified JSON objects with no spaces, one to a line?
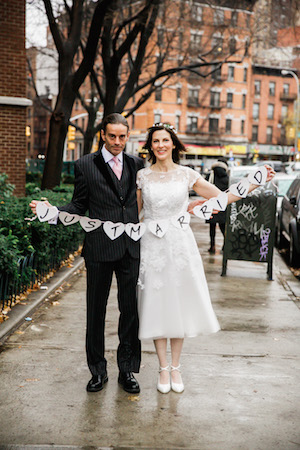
{"x":241,"y":384}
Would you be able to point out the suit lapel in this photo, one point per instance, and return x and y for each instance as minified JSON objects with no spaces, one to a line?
{"x":132,"y":182}
{"x":102,"y":166}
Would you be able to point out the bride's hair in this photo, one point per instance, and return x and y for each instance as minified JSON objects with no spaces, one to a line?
{"x":179,"y":146}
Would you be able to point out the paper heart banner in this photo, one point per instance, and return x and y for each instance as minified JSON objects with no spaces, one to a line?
{"x":159,"y":227}
{"x":204,"y":211}
{"x":182,"y":222}
{"x":259,"y":177}
{"x":68,"y":219}
{"x":45,"y":212}
{"x":220,"y":202}
{"x":89,"y":224}
{"x":135,"y":230}
{"x":113,"y":230}
{"x":241,"y":188}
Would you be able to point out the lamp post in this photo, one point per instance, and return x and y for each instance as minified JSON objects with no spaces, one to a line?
{"x":290,"y":72}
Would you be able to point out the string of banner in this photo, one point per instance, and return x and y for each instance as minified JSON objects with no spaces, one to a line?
{"x":158,"y":227}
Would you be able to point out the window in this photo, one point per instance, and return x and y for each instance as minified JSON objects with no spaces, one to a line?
{"x":158,"y":94}
{"x":214,"y":98}
{"x":177,"y":122}
{"x":157,"y":118}
{"x":257,"y":86}
{"x":269,"y":134}
{"x":160,"y":35}
{"x":244,"y":101}
{"x":230,"y":73}
{"x":196,"y":12}
{"x":242,"y":127}
{"x":178,"y":94}
{"x":228,"y":126}
{"x":217,"y":44}
{"x":192,"y":124}
{"x":245,"y":74}
{"x":229,"y":99}
{"x":232,"y":45}
{"x":213,"y":125}
{"x":284,"y":111}
{"x":286,"y":88}
{"x":254,"y":133}
{"x":270,"y":113}
{"x":272,"y":86}
{"x":193,"y":95}
{"x":234,"y":18}
{"x":255,"y":111}
{"x":216,"y":75}
{"x":195,"y":40}
{"x":218,"y":17}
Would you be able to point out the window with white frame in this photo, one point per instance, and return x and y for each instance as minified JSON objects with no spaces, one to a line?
{"x":272,"y":86}
{"x":242,"y":126}
{"x":284,"y":111}
{"x":218,"y":16}
{"x":157,"y":118}
{"x":214,"y":98}
{"x":257,"y":87}
{"x":228,"y":124}
{"x":195,"y":40}
{"x":192,"y":123}
{"x":231,"y":73}
{"x":217,"y":44}
{"x":213,"y":125}
{"x":286,"y":88}
{"x":193,"y":96}
{"x":270,"y":113}
{"x":196,"y":12}
{"x":254,"y":133}
{"x":229,"y":103}
{"x":255,"y":111}
{"x":243,"y":101}
{"x":269,"y":134}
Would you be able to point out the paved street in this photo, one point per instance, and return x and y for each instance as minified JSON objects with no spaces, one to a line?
{"x":242,"y":384}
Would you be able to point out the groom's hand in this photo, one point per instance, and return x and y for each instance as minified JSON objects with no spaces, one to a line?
{"x":34,"y":203}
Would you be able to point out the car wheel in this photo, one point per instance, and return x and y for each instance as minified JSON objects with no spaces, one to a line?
{"x":294,"y":257}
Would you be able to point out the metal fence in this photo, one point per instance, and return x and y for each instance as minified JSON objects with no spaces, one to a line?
{"x":30,"y":272}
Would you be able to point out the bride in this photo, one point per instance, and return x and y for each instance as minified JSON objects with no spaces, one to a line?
{"x":174,"y":300}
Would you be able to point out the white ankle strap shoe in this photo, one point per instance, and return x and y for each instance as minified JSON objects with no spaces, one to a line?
{"x":164,"y":388}
{"x":176,"y":387}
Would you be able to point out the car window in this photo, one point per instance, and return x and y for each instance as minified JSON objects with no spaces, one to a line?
{"x":283,"y":186}
{"x":294,"y":188}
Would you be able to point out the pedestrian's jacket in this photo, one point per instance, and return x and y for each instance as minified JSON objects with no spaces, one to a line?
{"x":99,"y":193}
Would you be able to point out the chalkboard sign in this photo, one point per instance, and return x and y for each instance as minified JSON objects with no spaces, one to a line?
{"x":250,"y":228}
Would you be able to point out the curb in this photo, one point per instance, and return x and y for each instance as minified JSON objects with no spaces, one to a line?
{"x":19,"y":312}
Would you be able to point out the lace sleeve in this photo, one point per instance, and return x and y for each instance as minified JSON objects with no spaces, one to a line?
{"x":139,"y":179}
{"x":193,"y":177}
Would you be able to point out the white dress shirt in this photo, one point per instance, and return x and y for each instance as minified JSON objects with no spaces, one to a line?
{"x":108,"y":157}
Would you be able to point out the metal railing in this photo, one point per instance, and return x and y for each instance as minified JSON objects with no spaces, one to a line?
{"x":30,"y":272}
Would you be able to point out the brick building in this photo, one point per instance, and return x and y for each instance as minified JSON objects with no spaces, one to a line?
{"x":13,"y":101}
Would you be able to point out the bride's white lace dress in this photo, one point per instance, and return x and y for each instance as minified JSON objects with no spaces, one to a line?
{"x":173,"y":297}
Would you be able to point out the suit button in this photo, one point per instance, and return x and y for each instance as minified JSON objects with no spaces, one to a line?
{"x":124,"y":207}
{"x":121,"y":198}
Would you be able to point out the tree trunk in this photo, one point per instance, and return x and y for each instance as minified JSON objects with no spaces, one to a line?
{"x":58,"y":130}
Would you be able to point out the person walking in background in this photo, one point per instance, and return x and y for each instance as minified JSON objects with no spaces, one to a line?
{"x":173,"y":299}
{"x":105,"y":185}
{"x":220,"y":178}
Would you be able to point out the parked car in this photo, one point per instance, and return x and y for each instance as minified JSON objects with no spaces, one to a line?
{"x":289,"y":222}
{"x":276,"y":165}
{"x":282,"y":181}
{"x":236,"y":173}
{"x":293,"y":166}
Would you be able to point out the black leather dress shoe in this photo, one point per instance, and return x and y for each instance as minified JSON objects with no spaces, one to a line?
{"x":96,"y":383}
{"x":129,"y":383}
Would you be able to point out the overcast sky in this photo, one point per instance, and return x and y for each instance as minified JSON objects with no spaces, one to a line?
{"x":36,"y":24}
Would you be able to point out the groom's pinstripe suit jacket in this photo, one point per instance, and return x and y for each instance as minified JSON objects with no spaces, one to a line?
{"x":99,"y":192}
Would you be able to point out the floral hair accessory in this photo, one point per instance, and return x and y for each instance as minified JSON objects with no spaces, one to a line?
{"x":165,"y":125}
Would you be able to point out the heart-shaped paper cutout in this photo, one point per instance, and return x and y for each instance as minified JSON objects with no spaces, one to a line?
{"x":67,"y":218}
{"x":158,"y":227}
{"x":135,"y":230}
{"x":259,"y":177}
{"x":203,"y":211}
{"x":113,"y":230}
{"x":45,"y":212}
{"x":89,"y":224}
{"x":220,"y":202}
{"x":182,"y":221}
{"x":241,"y":188}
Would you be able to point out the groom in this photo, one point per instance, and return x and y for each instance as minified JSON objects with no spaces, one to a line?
{"x":105,"y":187}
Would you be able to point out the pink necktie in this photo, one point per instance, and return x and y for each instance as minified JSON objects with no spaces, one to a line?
{"x":117,"y":168}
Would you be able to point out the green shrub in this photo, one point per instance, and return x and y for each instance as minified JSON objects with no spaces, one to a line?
{"x":50,"y":244}
{"x":6,"y":189}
